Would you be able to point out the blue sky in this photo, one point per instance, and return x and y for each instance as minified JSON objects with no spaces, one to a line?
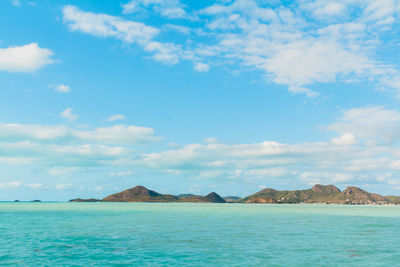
{"x":197,"y":96}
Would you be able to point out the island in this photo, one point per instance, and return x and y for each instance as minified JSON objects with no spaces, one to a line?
{"x":327,"y":194}
{"x":85,"y":200}
{"x":323,"y":194}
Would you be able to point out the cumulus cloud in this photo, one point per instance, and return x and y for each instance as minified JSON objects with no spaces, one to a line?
{"x":26,"y":58}
{"x":359,"y":154}
{"x":62,"y":88}
{"x":374,"y":123}
{"x":344,"y":139}
{"x":308,"y":162}
{"x":69,"y":115}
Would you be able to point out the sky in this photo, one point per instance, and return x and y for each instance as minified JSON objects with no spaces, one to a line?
{"x":180,"y":96}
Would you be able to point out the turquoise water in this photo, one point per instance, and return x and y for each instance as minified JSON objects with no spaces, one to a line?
{"x":180,"y":234}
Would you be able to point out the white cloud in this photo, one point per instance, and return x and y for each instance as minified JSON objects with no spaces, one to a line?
{"x":116,"y":117}
{"x":62,"y":170}
{"x":211,"y":140}
{"x":35,"y":185}
{"x":69,"y":115}
{"x":349,"y":158}
{"x":376,"y":123}
{"x":167,"y":53}
{"x":129,"y":7}
{"x":298,"y":46}
{"x":26,"y":58}
{"x":116,"y":134}
{"x":201,"y":67}
{"x":344,"y":139}
{"x":131,"y":32}
{"x":304,"y":62}
{"x":62,"y":186}
{"x":172,"y":9}
{"x":177,"y":28}
{"x":121,"y":174}
{"x":303,"y":90}
{"x":330,"y":9}
{"x":103,"y":25}
{"x":120,"y":134}
{"x":13,"y":184}
{"x":326,"y":178}
{"x":62,"y":88}
{"x":40,"y":132}
{"x":16,"y":3}
{"x":382,"y":12}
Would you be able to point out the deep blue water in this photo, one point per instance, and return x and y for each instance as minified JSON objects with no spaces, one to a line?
{"x":180,"y":234}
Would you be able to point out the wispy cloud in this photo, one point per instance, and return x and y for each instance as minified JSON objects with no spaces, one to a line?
{"x":116,"y":117}
{"x":298,"y":46}
{"x":172,"y":9}
{"x":16,"y":3}
{"x":116,"y":134}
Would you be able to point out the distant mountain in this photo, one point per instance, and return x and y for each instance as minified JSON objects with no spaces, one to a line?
{"x":210,"y":198}
{"x":185,"y":195}
{"x":140,"y":194}
{"x":231,"y":198}
{"x":319,"y":194}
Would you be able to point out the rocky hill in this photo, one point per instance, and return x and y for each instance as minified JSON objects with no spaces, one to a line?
{"x":140,"y":194}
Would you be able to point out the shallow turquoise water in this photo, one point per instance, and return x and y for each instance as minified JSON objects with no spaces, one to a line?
{"x":180,"y":234}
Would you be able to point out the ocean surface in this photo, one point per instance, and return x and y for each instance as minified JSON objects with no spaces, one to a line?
{"x":180,"y":234}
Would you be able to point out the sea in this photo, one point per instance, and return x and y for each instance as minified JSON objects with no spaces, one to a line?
{"x":194,"y":234}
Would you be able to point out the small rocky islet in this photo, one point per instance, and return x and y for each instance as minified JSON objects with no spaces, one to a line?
{"x":324,"y":194}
